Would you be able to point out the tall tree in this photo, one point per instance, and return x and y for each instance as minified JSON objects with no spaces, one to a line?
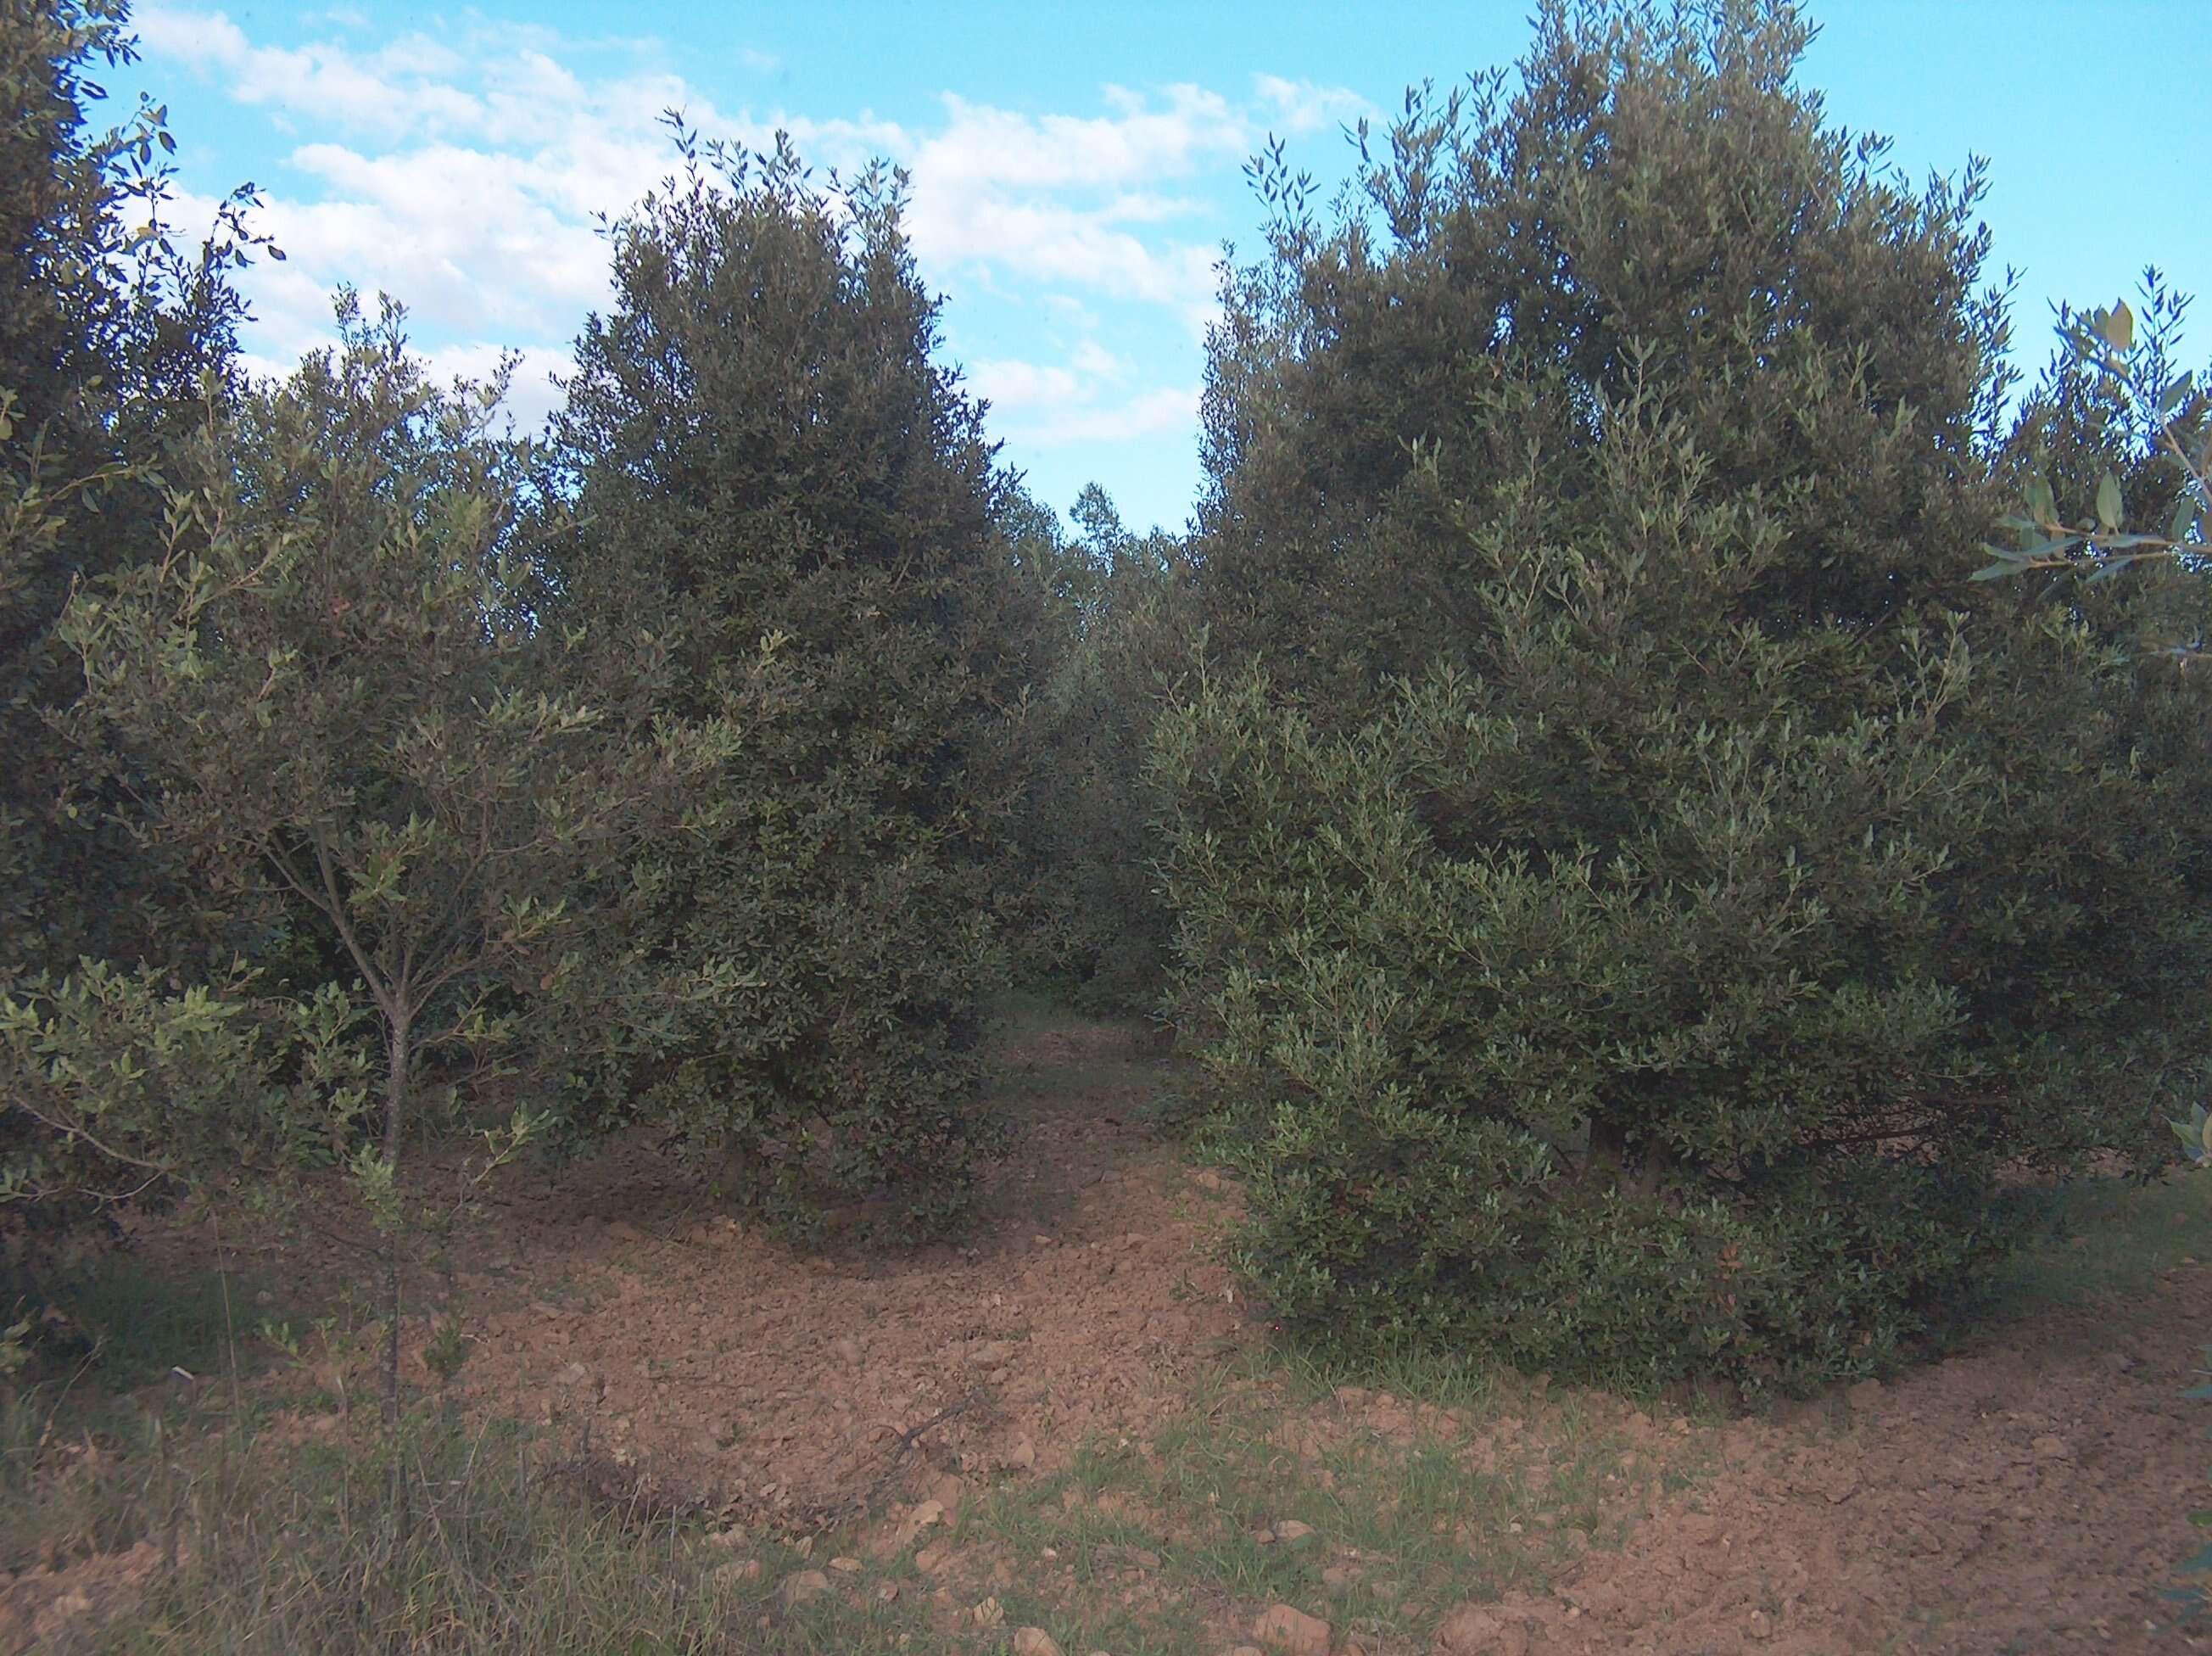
{"x":107,"y":323}
{"x":1646,"y":890}
{"x":768,"y":457}
{"x":352,"y":725}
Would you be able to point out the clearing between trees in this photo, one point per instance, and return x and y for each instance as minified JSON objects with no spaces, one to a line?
{"x":1074,"y":1424}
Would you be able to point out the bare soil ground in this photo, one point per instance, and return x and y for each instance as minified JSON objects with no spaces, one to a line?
{"x":1073,"y":1424}
{"x":784,"y":1387}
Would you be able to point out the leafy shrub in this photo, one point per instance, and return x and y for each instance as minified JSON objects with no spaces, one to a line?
{"x":766,"y":459}
{"x":1115,"y":617}
{"x":1634,"y":894}
{"x":104,"y":333}
{"x":118,"y":1086}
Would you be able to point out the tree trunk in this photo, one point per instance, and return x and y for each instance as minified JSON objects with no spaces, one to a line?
{"x":400,"y":1515}
{"x":395,"y":1098}
{"x":395,"y":1087}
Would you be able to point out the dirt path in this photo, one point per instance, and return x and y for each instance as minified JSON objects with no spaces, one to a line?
{"x":1089,"y":1403}
{"x":780,"y":1384}
{"x":2025,"y":1498}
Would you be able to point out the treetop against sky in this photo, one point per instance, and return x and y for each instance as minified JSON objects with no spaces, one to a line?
{"x":1076,"y":170}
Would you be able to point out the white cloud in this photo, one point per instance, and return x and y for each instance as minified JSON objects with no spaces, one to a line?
{"x":458,"y":166}
{"x":1051,"y":197}
{"x":1152,"y":413}
{"x":531,"y":395}
{"x":394,"y":89}
{"x":1301,"y":106}
{"x":1093,"y":358}
{"x":1012,"y":386}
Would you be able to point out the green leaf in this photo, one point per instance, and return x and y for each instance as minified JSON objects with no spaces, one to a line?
{"x":2117,"y":327}
{"x":2108,"y":501}
{"x":2184,"y":519}
{"x":2042,"y":506}
{"x":1997,"y":571}
{"x":2108,"y":567}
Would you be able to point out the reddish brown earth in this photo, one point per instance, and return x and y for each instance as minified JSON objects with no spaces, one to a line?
{"x":775,"y":1384}
{"x":2028,"y":1496}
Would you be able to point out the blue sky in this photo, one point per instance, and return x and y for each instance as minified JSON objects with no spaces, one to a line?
{"x":1076,"y":169}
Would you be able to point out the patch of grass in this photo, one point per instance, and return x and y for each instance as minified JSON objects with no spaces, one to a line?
{"x":127,"y":1326}
{"x":1169,"y":1543}
{"x":2108,"y":1240}
{"x":1313,"y":1370}
{"x":283,"y":1543}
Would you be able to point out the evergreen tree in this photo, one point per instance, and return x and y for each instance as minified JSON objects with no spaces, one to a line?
{"x":107,"y":324}
{"x":1646,"y":893}
{"x":115,"y":1077}
{"x":768,"y":460}
{"x":1118,"y":636}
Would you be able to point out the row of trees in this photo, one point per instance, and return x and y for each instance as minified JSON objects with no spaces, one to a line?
{"x":1634,"y":900}
{"x":372,"y":765}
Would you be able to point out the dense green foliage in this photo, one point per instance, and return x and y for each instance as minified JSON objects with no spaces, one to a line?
{"x":354,"y":728}
{"x":1636,"y":896}
{"x":770,"y":464}
{"x":107,"y":327}
{"x":1114,"y":641}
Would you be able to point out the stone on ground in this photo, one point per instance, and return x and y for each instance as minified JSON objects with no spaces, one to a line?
{"x":1292,"y":1632}
{"x":799,"y":1588}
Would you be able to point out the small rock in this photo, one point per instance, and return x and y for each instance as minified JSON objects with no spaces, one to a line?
{"x":930,"y":1559}
{"x":1023,"y":1454}
{"x":991,"y":1353}
{"x":1865,"y":1395}
{"x":908,"y":1528}
{"x":1206,"y":1179}
{"x":2118,"y":1361}
{"x":846,"y":1565}
{"x":1482,"y":1630}
{"x":575,"y":1374}
{"x":1035,"y":1641}
{"x":2048,"y":1447}
{"x":988,"y":1614}
{"x":733,"y":1537}
{"x":805,"y":1585}
{"x":1760,"y":1625}
{"x":738,"y":1572}
{"x":846,"y":1350}
{"x":1289,"y":1532}
{"x":1292,"y":1632}
{"x":1336,"y":1578}
{"x":886,"y":1590}
{"x":1128,"y":1557}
